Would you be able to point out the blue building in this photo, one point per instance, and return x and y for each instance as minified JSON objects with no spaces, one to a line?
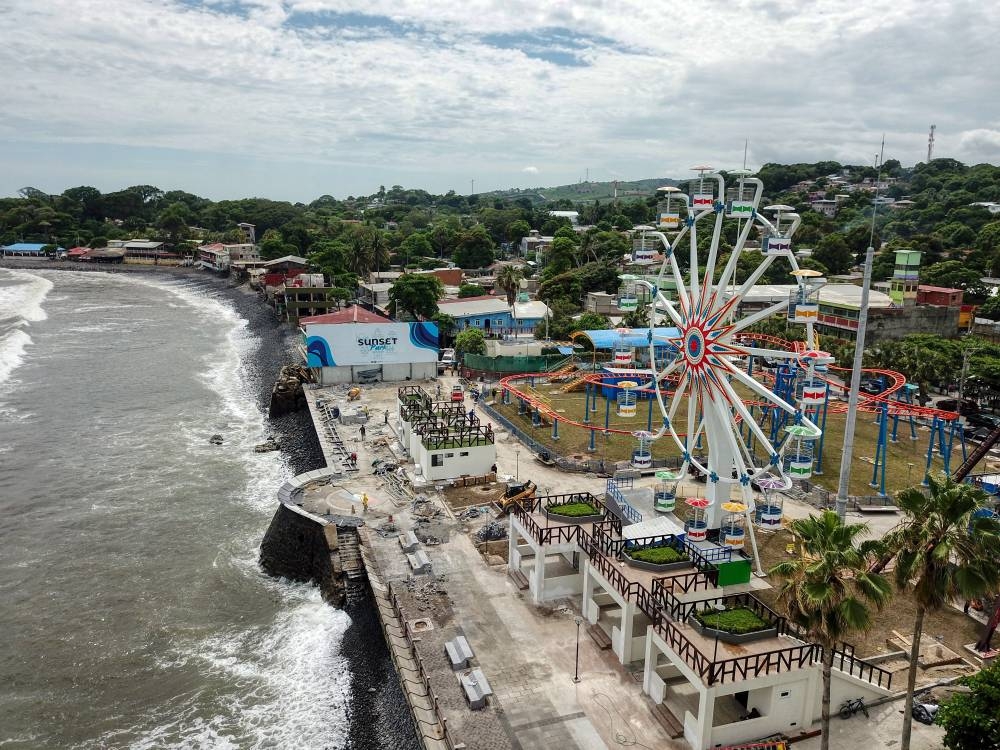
{"x":27,"y":248}
{"x":494,"y":317}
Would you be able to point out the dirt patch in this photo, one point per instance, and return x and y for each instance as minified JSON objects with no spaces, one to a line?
{"x":460,"y":498}
{"x":949,"y":626}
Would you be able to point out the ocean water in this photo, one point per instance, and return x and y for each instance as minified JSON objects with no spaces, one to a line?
{"x":133,"y":611}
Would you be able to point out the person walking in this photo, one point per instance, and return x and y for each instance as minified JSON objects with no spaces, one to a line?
{"x":364,"y":502}
{"x":387,"y":416}
{"x":362,"y":433}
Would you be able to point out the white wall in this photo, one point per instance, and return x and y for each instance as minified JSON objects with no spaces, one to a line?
{"x":389,"y":372}
{"x":479,"y":461}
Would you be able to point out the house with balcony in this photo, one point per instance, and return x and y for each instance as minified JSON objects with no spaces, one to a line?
{"x":494,"y":317}
{"x":700,"y":682}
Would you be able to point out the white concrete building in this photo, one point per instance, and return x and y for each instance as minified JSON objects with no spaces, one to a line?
{"x":444,"y":441}
{"x":703,"y":683}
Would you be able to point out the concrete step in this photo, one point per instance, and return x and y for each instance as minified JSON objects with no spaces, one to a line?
{"x":599,"y":637}
{"x":519,"y":579}
{"x":668,"y":721}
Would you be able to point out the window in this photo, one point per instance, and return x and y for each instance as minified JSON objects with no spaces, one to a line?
{"x":499,"y":321}
{"x":437,"y":460}
{"x":464,"y":453}
{"x":449,"y":455}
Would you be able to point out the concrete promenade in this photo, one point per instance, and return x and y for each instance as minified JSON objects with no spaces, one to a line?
{"x":527,"y":652}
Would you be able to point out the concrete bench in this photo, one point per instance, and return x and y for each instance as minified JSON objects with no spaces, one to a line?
{"x":408,"y":541}
{"x":419,"y":561}
{"x":476,"y":688}
{"x":459,"y":652}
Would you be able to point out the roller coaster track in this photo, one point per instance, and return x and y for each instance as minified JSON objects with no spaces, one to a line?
{"x":520,"y":386}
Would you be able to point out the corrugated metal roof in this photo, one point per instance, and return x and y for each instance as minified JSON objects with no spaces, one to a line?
{"x":462,"y":308}
{"x":607,"y":338}
{"x":352,"y":314}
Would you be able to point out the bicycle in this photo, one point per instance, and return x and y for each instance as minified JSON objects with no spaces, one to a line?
{"x":851,"y":706}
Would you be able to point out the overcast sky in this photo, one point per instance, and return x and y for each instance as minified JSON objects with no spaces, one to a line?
{"x":293,"y":99}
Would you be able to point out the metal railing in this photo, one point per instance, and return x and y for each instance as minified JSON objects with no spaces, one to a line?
{"x":616,"y":494}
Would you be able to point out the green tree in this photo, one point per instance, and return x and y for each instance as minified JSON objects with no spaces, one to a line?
{"x":944,"y":551}
{"x":470,"y":341}
{"x":272,"y":244}
{"x":416,"y":294}
{"x":475,"y":248}
{"x":173,"y":221}
{"x":970,"y":719}
{"x":470,"y":290}
{"x":509,"y":280}
{"x":829,"y":592}
{"x":517,"y":230}
{"x":416,"y":245}
{"x":834,"y":253}
{"x":955,"y":274}
{"x":446,"y":327}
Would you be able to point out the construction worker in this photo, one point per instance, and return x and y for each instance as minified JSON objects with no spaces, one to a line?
{"x":387,"y":416}
{"x":362,"y":433}
{"x":364,"y":502}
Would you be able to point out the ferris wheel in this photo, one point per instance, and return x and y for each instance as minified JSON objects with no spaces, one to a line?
{"x":714,"y":408}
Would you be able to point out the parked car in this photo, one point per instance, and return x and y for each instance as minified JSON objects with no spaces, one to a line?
{"x":965,"y":406}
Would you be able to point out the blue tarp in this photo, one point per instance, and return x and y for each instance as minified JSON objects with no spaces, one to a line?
{"x":567,"y":350}
{"x":607,"y":339}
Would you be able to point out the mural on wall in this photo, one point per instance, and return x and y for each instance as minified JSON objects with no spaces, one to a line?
{"x":371,"y":343}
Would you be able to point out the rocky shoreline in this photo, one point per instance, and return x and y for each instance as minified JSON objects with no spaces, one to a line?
{"x":387,"y":722}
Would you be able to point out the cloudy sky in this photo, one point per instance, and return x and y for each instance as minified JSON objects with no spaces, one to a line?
{"x":296,"y":98}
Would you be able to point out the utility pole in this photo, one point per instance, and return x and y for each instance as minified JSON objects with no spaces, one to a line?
{"x":930,"y":143}
{"x":859,"y":350}
{"x":966,"y":354}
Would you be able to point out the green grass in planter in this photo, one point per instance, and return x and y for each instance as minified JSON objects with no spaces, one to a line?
{"x":658,"y":555}
{"x":738,"y":621}
{"x":573,"y":510}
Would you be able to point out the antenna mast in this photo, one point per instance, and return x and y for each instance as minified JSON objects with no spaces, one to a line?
{"x":930,"y":143}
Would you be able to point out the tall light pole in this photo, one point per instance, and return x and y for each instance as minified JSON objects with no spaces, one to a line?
{"x":859,"y":350}
{"x":517,"y":465}
{"x":576,"y":669}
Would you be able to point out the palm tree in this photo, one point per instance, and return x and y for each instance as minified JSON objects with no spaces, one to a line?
{"x":944,"y":550}
{"x":829,"y":591}
{"x":508,"y":279}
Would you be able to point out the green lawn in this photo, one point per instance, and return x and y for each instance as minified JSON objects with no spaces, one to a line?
{"x":906,"y":457}
{"x":738,"y":620}
{"x":658,"y":555}
{"x":573,"y":510}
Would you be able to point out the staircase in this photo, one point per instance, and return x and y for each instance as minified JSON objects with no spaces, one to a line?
{"x":668,"y":721}
{"x":977,"y":455}
{"x":349,"y":550}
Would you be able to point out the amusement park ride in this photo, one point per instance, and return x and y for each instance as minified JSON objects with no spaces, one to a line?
{"x":742,"y":432}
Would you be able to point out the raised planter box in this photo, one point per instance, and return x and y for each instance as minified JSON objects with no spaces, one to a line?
{"x":654,"y":567}
{"x":595,"y":518}
{"x":733,"y":638}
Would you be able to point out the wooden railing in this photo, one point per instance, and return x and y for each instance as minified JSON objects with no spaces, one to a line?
{"x":752,"y":665}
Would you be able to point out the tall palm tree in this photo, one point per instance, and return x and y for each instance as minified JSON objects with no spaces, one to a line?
{"x":944,"y":550}
{"x":828,"y":592}
{"x":508,"y":279}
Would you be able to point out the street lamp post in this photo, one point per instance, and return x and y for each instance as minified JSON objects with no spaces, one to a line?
{"x":517,"y":465}
{"x":576,"y":669}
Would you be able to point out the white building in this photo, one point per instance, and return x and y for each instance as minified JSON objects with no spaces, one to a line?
{"x":702,"y":682}
{"x":444,"y":441}
{"x":354,"y":343}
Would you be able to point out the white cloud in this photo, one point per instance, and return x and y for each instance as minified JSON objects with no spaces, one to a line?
{"x":441,"y":92}
{"x":530,"y":170}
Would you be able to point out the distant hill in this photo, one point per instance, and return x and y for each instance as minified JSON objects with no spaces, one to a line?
{"x":588,"y":191}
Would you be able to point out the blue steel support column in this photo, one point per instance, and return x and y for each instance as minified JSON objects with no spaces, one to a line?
{"x":607,"y":412}
{"x":586,"y":403}
{"x":930,"y":450}
{"x":555,"y":428}
{"x":593,"y":445}
{"x":520,"y":407}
